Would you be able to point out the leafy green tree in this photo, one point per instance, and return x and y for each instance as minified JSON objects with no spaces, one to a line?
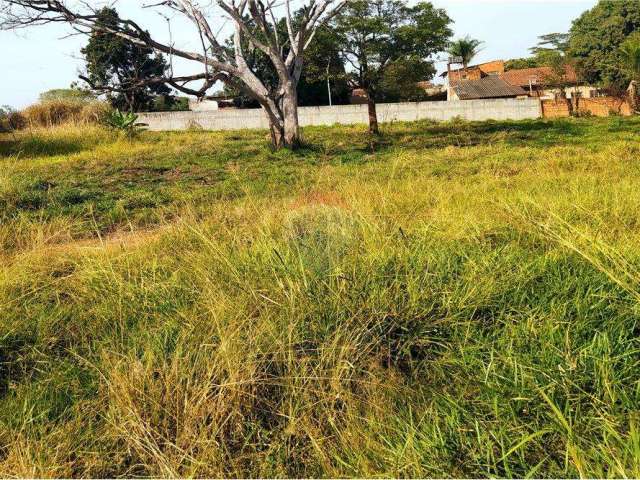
{"x":630,"y":51}
{"x":596,"y":37}
{"x":378,"y":36}
{"x":520,"y":63}
{"x":121,"y":68}
{"x":323,"y":62}
{"x":10,"y":119}
{"x":550,"y":49}
{"x":551,"y":43}
{"x":466,"y":48}
{"x":73,"y":94}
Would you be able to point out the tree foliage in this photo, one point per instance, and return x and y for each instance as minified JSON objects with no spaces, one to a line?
{"x":120,"y":67}
{"x":466,"y":48}
{"x":73,"y":94}
{"x":520,"y":63}
{"x":596,"y":37}
{"x":383,"y":39}
{"x":10,"y":119}
{"x":630,"y":53}
{"x":322,"y":62}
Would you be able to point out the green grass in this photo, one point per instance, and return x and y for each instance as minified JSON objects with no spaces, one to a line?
{"x":453,"y":300}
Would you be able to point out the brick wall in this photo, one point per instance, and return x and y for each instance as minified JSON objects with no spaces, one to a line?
{"x":555,"y":108}
{"x":604,"y":106}
{"x":598,"y":106}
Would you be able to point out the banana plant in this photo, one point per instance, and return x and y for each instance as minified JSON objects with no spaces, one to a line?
{"x":125,"y":122}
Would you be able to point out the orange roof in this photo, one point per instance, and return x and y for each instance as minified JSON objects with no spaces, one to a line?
{"x":521,"y":77}
{"x":486,"y":67}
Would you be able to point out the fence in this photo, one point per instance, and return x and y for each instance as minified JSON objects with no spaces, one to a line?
{"x":597,"y":106}
{"x":474,"y":110}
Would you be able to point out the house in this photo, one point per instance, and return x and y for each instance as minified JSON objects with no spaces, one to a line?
{"x":540,"y":82}
{"x":485,"y":88}
{"x":431,"y":89}
{"x":543,"y":82}
{"x":472,"y":73}
{"x":359,"y":97}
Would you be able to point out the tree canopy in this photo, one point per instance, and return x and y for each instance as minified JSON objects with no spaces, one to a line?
{"x":74,"y":94}
{"x":120,"y":68}
{"x":387,"y":37}
{"x":520,"y":63}
{"x":596,"y":37}
{"x":466,"y":48}
{"x":630,"y":53}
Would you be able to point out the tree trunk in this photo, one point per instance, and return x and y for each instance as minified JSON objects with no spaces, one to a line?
{"x":373,"y":116}
{"x":567,"y":100}
{"x":633,"y":96}
{"x":290,"y":113}
{"x":283,"y":121}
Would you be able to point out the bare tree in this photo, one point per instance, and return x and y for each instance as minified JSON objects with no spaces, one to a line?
{"x":254,"y":27}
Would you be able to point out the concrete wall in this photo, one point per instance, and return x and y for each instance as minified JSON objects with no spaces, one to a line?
{"x":476,"y":110}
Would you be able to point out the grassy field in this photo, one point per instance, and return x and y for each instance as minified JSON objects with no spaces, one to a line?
{"x":450,"y":300}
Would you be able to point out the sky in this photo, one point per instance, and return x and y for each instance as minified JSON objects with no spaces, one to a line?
{"x":40,"y":58}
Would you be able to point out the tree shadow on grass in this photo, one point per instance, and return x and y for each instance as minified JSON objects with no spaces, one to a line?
{"x":30,"y":147}
{"x":354,"y":145}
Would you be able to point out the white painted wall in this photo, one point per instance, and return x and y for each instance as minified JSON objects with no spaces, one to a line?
{"x":474,"y":110}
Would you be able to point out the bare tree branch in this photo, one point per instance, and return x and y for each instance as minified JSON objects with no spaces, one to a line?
{"x":255,"y":23}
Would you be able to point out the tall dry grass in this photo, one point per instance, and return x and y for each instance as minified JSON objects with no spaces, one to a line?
{"x":57,"y":112}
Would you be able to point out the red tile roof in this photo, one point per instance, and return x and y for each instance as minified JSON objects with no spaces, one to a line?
{"x":539,"y":75}
{"x":486,"y":68}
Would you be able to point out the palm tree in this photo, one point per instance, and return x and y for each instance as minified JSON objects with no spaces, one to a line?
{"x":466,"y":48}
{"x":630,"y":51}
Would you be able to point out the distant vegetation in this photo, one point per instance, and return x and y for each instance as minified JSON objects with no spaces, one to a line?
{"x":452,"y":300}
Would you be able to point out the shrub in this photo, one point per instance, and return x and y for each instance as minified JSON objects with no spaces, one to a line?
{"x":11,"y":120}
{"x":126,"y":123}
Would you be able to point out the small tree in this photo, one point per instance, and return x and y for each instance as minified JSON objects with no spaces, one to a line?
{"x":630,"y":51}
{"x":120,"y":68}
{"x":466,"y":48}
{"x":552,"y":51}
{"x":379,"y":35}
{"x":11,"y":120}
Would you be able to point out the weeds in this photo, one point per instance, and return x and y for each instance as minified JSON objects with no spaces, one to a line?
{"x":462,"y":302}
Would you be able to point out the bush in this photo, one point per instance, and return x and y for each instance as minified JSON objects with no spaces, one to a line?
{"x":57,"y":112}
{"x":126,"y":123}
{"x":11,"y":120}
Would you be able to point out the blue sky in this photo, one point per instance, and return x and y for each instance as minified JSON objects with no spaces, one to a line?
{"x":42,"y":58}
